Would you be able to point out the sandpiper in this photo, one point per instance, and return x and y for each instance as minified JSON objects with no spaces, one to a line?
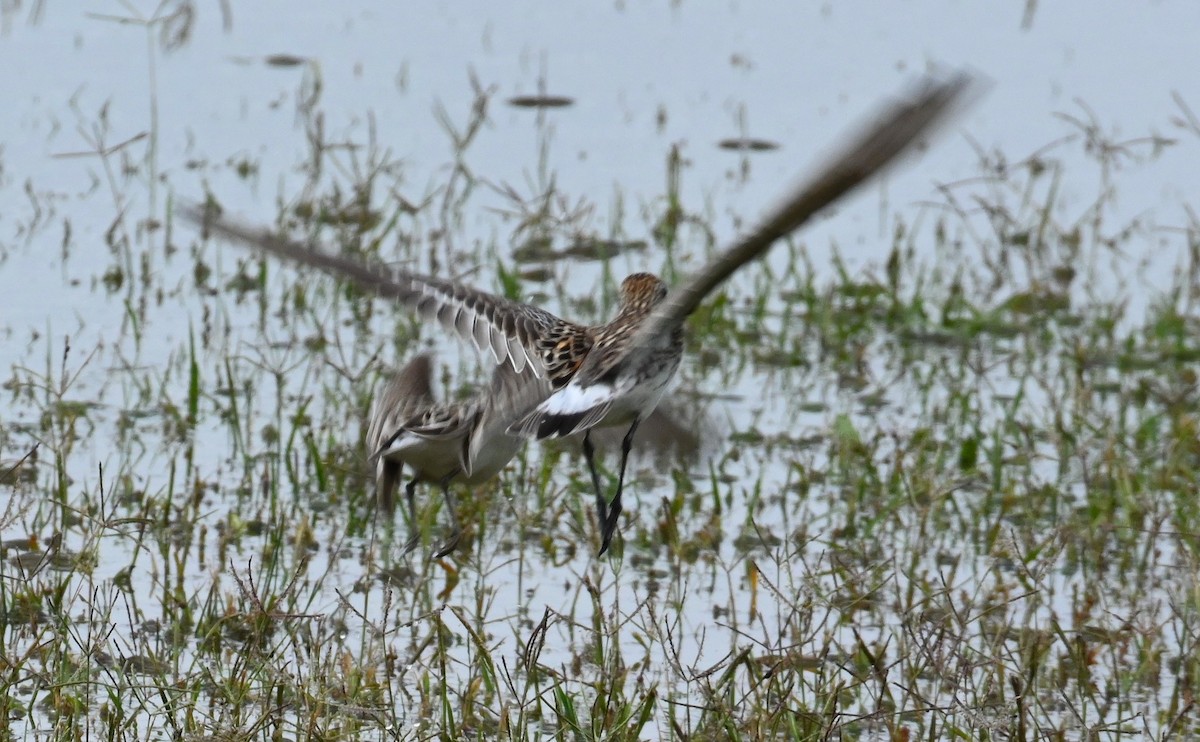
{"x":446,"y":443}
{"x":614,"y":374}
{"x":601,"y":391}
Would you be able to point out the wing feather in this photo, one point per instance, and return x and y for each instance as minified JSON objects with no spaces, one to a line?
{"x":893,"y":130}
{"x":510,"y":330}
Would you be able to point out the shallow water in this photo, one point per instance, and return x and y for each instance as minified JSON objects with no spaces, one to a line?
{"x":778,"y":533}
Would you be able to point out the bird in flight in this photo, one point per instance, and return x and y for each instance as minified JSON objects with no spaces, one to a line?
{"x":615,"y":373}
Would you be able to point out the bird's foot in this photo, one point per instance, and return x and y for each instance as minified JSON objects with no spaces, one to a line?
{"x":450,"y":544}
{"x":609,"y":526}
{"x":413,"y":539}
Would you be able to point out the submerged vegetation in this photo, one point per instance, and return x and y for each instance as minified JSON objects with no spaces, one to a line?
{"x":950,"y":495}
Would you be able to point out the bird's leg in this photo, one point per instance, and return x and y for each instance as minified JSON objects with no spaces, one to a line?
{"x":589,"y":454}
{"x":455,"y":527}
{"x":614,"y":507}
{"x":413,"y":529}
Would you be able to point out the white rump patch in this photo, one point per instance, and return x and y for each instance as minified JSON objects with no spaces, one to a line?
{"x":574,"y":399}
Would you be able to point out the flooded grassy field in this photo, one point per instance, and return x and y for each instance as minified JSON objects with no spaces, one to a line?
{"x":950,"y":494}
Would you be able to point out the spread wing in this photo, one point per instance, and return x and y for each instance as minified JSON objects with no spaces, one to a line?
{"x":512,"y":332}
{"x":892,"y":131}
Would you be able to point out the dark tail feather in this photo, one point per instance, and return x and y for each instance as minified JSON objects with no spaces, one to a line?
{"x":541,"y":425}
